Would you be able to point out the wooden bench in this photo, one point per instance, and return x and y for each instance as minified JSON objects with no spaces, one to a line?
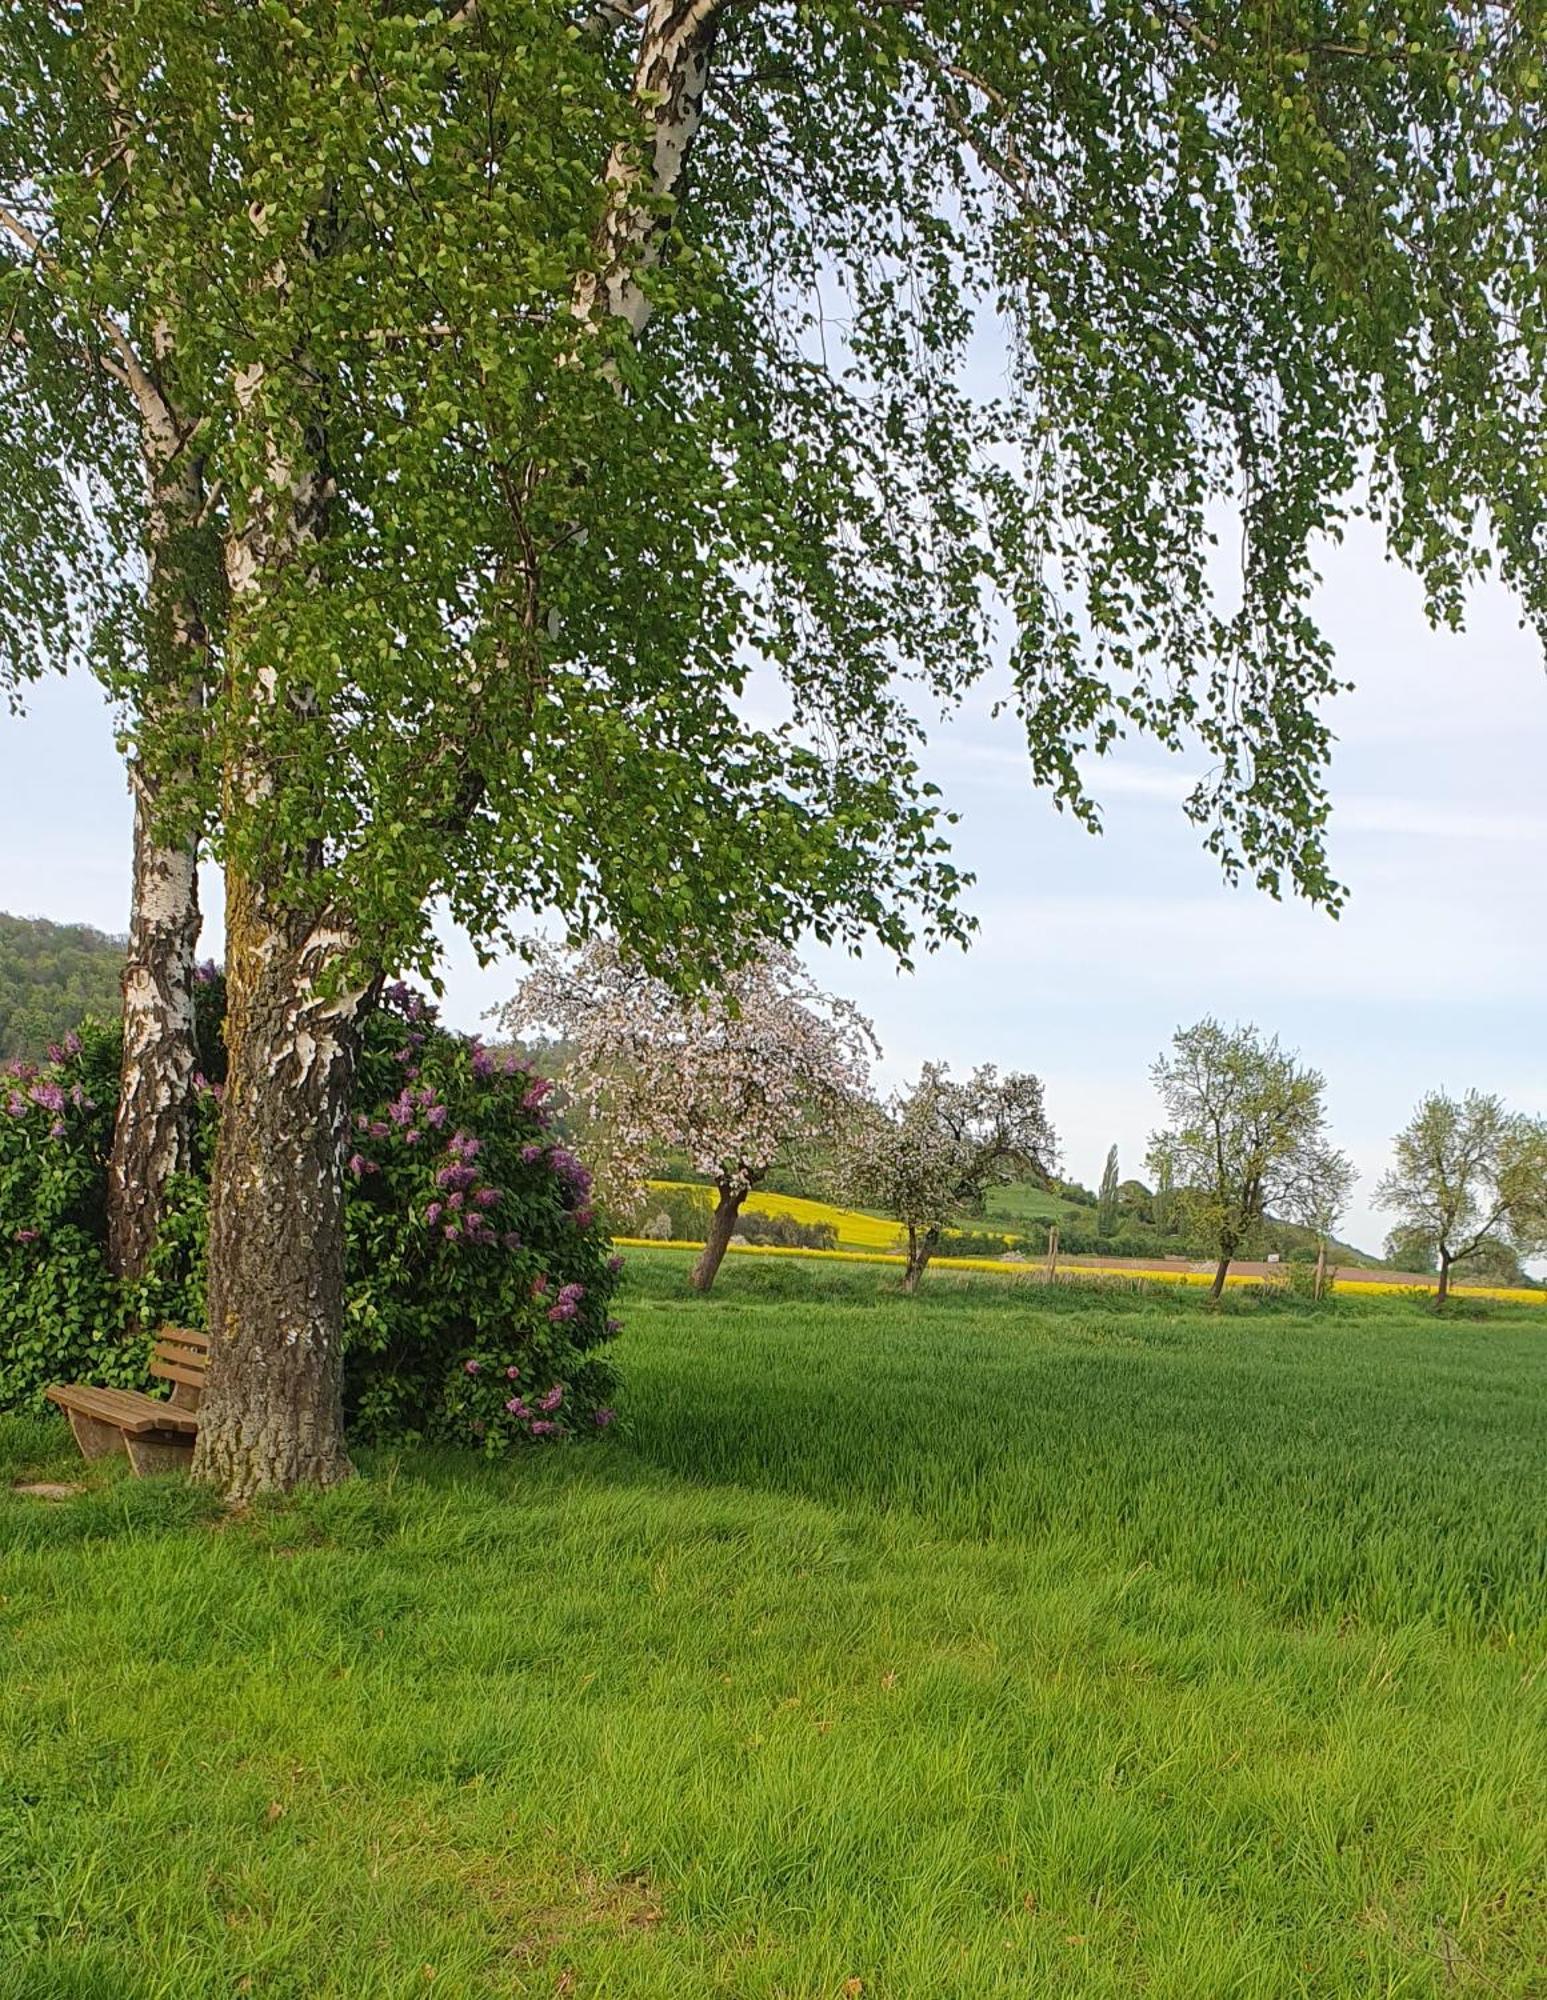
{"x":157,"y":1436}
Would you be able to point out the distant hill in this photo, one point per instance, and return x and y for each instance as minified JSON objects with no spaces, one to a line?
{"x":1026,"y":1208}
{"x":50,"y":975}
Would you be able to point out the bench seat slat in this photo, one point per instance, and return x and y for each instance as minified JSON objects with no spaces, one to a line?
{"x":125,"y":1408}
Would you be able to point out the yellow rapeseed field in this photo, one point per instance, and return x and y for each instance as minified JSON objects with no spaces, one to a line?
{"x":870,"y":1239}
{"x":855,"y":1231}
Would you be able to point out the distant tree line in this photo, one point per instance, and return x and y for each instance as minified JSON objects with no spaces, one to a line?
{"x":50,"y":976}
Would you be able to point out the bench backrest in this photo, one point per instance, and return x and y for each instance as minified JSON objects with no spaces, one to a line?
{"x":181,"y":1357}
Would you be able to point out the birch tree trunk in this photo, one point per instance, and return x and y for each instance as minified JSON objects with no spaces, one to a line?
{"x":272,"y":1414}
{"x":151,"y":1126}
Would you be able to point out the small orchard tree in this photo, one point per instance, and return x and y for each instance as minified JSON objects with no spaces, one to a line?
{"x":735,"y":1079}
{"x":933,"y":1152}
{"x":1106,"y":1197}
{"x":1245,"y":1122}
{"x":1469,"y":1174}
{"x":1318,"y":1196}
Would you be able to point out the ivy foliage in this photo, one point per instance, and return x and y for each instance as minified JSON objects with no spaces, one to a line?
{"x":477,"y":1278}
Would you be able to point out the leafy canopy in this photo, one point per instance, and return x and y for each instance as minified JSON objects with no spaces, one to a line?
{"x":1469,"y":1174}
{"x":933,"y":1152}
{"x":1244,"y":1134}
{"x":1239,"y":259}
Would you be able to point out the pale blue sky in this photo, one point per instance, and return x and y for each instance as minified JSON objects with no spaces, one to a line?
{"x":1091,"y":951}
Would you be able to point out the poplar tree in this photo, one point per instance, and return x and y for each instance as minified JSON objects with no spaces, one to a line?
{"x":1106,"y":1197}
{"x":548,"y":371}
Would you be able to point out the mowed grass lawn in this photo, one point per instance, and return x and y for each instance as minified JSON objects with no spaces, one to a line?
{"x":989,"y":1643}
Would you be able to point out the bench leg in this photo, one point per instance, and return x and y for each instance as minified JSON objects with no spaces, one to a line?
{"x":96,"y":1439}
{"x":150,"y":1454}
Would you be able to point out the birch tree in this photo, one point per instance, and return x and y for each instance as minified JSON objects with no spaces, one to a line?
{"x":930,"y":1156}
{"x":1245,"y":1134}
{"x":1468,"y":1173}
{"x":103,"y":538}
{"x":765,"y":1064}
{"x":548,"y":374}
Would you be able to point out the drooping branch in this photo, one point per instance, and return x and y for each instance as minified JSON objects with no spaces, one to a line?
{"x":131,"y":370}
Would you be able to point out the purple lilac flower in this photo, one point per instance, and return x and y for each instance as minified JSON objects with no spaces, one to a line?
{"x":483,"y":1062}
{"x":539,"y":1284}
{"x":602,"y":1418}
{"x":540,"y":1088}
{"x":456,"y":1176}
{"x":16,"y":1106}
{"x":569,"y":1168}
{"x":432,"y":1213}
{"x":412,"y":1136}
{"x":454,"y":1201}
{"x":48,"y":1095}
{"x":357,"y":1164}
{"x":55,"y":1053}
{"x":404,"y":1055}
{"x":543,"y":1429}
{"x":512,"y":1372}
{"x":436,"y":1115}
{"x":401,"y":1109}
{"x":362,"y":1123}
{"x":517,"y":1408}
{"x":58,"y":1129}
{"x":554,"y":1397}
{"x":378,"y":1130}
{"x":615,"y":1263}
{"x":464,"y":1145}
{"x":471,"y":1367}
{"x":583,"y":1217}
{"x":204,"y":975}
{"x":451,"y":1232}
{"x":488,"y":1197}
{"x":531,"y":1155}
{"x":28,"y":1235}
{"x":397,"y":994}
{"x":72,"y":1044}
{"x":511,"y":1240}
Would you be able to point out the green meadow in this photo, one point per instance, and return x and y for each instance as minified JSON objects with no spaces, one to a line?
{"x":1003,"y":1641}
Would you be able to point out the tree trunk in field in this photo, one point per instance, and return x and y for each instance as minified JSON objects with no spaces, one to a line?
{"x":272,"y":1413}
{"x":922,"y":1244}
{"x":722,"y":1227}
{"x":1221,"y":1272}
{"x":1442,"y":1293}
{"x":1321,"y":1268}
{"x":151,"y":1125}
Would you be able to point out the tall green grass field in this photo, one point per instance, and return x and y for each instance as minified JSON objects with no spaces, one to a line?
{"x":1005,"y":1641}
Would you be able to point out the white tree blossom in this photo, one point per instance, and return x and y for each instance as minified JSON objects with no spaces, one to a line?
{"x":733,"y":1079}
{"x":932,"y":1152}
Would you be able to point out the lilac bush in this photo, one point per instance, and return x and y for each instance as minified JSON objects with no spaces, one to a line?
{"x":478,"y":1281}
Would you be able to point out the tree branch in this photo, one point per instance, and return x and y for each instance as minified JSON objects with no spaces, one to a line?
{"x":133,"y":373}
